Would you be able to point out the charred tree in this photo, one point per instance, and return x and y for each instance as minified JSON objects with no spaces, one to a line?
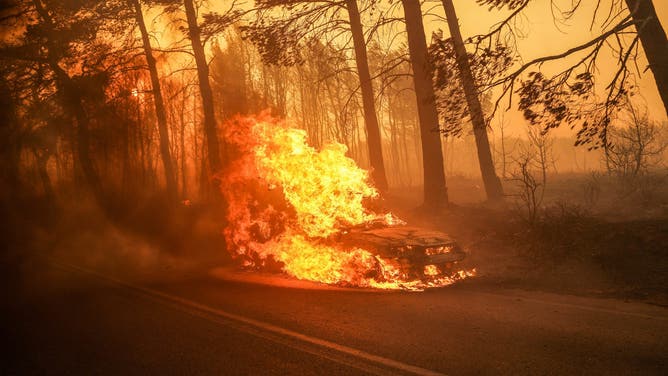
{"x":654,"y":42}
{"x":492,"y":183}
{"x":160,"y":113}
{"x":213,"y":146}
{"x":366,"y":87}
{"x":435,"y":190}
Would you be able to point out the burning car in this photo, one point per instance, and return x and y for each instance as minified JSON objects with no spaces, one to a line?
{"x":308,"y":213}
{"x":417,"y":252}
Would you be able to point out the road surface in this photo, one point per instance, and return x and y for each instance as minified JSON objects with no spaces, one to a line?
{"x":71,"y":321}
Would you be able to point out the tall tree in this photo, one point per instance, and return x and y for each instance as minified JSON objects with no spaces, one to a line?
{"x":210,"y":126}
{"x":163,"y":136}
{"x":492,"y":183}
{"x":366,"y":87}
{"x":435,"y":190}
{"x":653,"y":39}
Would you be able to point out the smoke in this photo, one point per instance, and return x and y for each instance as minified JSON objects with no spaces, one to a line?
{"x":154,"y":240}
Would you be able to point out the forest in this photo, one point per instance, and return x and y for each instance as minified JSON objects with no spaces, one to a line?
{"x":534,"y":131}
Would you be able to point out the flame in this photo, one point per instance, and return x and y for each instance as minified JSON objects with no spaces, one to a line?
{"x":325,"y":187}
{"x":287,"y":202}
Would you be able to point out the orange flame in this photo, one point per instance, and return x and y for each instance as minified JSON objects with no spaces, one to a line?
{"x":325,"y":187}
{"x":286,"y":201}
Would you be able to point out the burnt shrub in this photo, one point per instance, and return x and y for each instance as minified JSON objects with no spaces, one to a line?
{"x":631,"y":253}
{"x":561,"y":230}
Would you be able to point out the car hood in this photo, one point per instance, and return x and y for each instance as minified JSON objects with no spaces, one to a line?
{"x":387,"y":238}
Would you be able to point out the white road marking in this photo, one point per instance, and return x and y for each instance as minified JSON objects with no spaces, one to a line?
{"x":380,"y":360}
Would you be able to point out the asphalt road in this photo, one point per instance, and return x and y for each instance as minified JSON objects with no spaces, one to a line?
{"x":66,"y":321}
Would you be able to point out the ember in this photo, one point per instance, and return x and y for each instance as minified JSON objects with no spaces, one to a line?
{"x":288,"y":202}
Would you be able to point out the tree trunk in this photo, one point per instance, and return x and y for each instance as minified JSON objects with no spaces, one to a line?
{"x":654,"y":42}
{"x":125,"y":177}
{"x":366,"y":87}
{"x":182,"y":139}
{"x":74,"y":105}
{"x":163,"y":136}
{"x":10,"y":141}
{"x":213,"y":146}
{"x":42,"y":160}
{"x":503,"y":150}
{"x":83,"y":143}
{"x":492,"y":183}
{"x":435,"y":191}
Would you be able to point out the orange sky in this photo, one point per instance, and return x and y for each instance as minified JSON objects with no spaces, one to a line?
{"x":545,"y":38}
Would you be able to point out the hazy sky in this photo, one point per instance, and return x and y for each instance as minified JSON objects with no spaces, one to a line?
{"x":543,"y":37}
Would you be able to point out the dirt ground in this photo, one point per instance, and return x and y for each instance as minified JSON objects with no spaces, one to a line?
{"x":612,"y":242}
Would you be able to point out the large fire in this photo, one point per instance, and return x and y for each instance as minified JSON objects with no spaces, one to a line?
{"x":288,"y":201}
